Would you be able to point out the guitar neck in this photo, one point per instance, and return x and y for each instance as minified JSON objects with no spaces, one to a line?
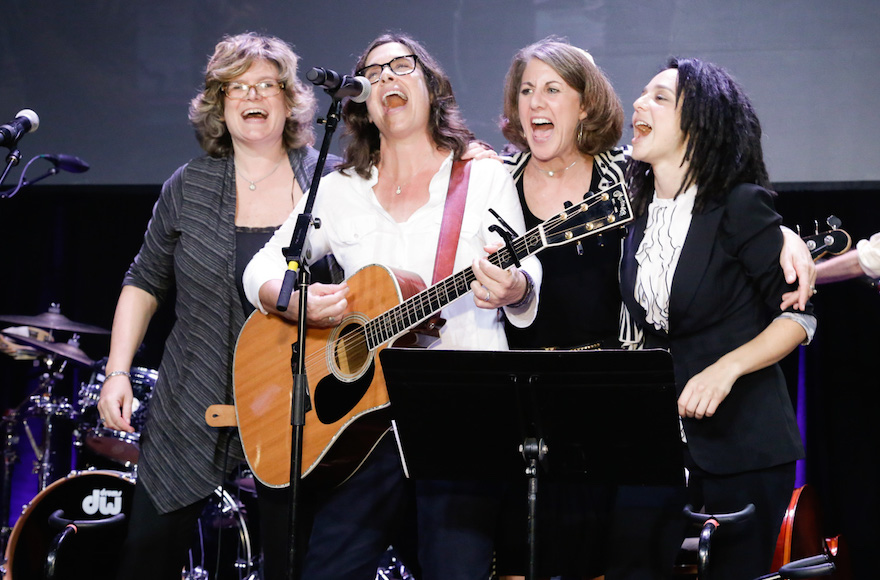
{"x":420,"y":307}
{"x":606,"y":209}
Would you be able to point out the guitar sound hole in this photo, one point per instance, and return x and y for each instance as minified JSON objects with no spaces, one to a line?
{"x":351,"y":354}
{"x":334,"y":398}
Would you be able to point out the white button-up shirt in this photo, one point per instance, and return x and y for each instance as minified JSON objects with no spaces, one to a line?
{"x":358,"y":231}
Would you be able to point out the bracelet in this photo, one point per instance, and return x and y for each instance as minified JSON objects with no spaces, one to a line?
{"x":530,"y":289}
{"x":116,"y":374}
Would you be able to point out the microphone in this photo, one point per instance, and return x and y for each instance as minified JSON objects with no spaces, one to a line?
{"x":25,"y":121}
{"x":339,"y":86}
{"x":67,"y":162}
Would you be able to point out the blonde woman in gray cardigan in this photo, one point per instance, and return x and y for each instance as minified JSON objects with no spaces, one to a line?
{"x":253,"y":118}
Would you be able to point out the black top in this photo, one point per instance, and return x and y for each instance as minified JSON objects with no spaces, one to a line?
{"x":580,"y":296}
{"x":248,"y":242}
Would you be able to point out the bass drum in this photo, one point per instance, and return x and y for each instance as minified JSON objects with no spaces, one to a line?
{"x":90,"y":553}
{"x":93,"y":552}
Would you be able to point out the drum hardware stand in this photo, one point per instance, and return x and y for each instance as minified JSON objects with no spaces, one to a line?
{"x":47,"y":405}
{"x":10,"y":457}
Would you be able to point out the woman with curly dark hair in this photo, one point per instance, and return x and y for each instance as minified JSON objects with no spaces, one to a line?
{"x":700,"y":275}
{"x":254,"y":120}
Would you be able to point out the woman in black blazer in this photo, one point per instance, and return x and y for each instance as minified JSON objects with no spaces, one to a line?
{"x":700,"y":276}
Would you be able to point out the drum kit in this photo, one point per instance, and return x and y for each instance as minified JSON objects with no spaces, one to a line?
{"x":94,"y":498}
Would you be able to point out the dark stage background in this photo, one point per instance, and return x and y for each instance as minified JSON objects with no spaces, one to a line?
{"x":111,"y":82}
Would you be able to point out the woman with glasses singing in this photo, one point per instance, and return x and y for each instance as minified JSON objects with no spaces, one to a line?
{"x":385,"y":206}
{"x":254,"y":120}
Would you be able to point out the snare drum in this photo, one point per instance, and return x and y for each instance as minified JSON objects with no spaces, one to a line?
{"x":118,"y":446}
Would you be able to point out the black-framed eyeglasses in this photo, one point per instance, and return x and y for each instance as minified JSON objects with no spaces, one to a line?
{"x":402,"y":65}
{"x":267,"y":88}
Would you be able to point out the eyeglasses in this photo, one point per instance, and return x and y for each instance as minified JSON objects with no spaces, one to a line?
{"x":265,"y":88}
{"x":402,"y":65}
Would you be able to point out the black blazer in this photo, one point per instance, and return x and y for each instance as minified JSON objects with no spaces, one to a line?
{"x":727,"y":288}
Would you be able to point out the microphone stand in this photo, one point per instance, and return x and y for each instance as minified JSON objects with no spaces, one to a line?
{"x":12,"y":160}
{"x":23,"y":181}
{"x":300,"y":402}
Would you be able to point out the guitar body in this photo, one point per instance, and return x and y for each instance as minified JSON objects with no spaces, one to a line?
{"x":349,"y":401}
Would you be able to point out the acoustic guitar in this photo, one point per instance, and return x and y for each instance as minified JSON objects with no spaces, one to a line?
{"x":348,"y":406}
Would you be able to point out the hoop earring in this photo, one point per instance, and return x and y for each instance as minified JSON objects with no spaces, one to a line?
{"x":580,"y":135}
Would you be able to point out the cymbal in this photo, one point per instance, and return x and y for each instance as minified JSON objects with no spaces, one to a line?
{"x":53,"y":321}
{"x":63,"y":349}
{"x":21,"y":351}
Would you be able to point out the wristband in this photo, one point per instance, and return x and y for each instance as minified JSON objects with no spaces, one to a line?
{"x":530,"y":289}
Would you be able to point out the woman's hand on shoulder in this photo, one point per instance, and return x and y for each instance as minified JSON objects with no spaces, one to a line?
{"x":797,"y":265}
{"x":478,"y":150}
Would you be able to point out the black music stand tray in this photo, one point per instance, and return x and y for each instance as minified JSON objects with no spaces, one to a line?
{"x":598,"y":416}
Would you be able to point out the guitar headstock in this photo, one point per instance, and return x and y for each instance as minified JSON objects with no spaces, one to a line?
{"x":607,"y":209}
{"x":835,"y":241}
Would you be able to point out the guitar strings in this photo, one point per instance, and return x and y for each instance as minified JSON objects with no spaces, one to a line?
{"x":394,"y":321}
{"x":407,"y":314}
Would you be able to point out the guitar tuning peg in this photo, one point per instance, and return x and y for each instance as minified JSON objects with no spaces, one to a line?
{"x":833,"y":222}
{"x":798,"y":228}
{"x":816,"y":227}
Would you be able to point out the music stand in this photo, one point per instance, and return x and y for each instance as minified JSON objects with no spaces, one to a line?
{"x":605,"y":416}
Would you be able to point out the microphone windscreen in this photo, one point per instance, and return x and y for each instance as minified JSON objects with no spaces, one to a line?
{"x":30,"y":116}
{"x":366,"y":88}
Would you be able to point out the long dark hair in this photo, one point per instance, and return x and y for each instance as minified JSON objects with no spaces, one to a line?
{"x":446,"y":126}
{"x":723,"y":133}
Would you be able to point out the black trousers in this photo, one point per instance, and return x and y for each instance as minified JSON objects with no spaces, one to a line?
{"x":648,"y":526}
{"x":157,"y":545}
{"x":440,"y":529}
{"x":744,"y":550}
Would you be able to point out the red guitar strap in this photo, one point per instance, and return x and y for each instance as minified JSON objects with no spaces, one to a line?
{"x":450,"y":227}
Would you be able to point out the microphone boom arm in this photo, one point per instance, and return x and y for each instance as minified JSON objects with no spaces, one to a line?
{"x":67,"y":163}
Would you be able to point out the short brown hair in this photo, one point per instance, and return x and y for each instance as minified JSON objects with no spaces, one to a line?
{"x":601,"y":129}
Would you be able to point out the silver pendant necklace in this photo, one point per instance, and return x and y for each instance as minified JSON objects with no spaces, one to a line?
{"x":253,"y":184}
{"x":556,"y":171}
